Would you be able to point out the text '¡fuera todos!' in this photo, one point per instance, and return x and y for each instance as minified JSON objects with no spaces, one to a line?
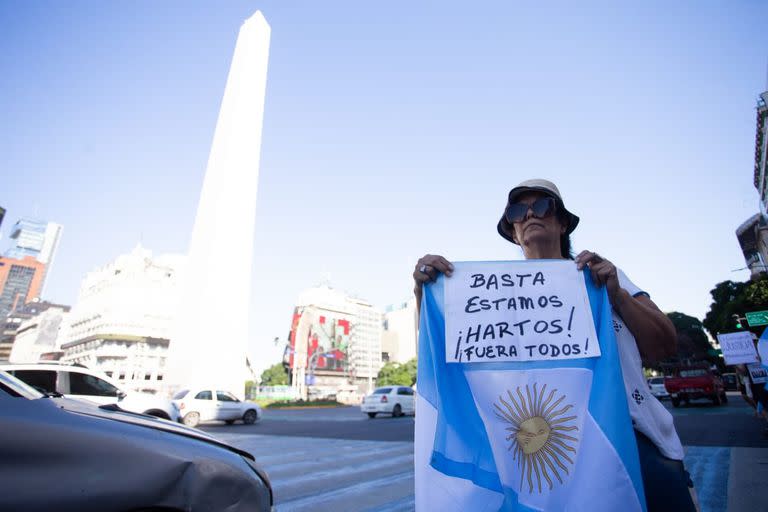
{"x":535,"y":313}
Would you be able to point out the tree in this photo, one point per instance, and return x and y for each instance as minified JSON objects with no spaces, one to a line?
{"x":396,"y":374}
{"x":275,"y":375}
{"x":692,"y":341}
{"x":729,"y":299}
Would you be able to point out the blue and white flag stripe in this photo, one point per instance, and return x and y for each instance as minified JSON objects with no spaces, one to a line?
{"x":470,"y":400}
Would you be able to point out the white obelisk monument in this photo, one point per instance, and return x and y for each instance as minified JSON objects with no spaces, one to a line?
{"x":209,"y":341}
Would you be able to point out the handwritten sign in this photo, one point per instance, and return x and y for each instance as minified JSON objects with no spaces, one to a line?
{"x":517,"y":311}
{"x":758,"y":372}
{"x":737,"y":347}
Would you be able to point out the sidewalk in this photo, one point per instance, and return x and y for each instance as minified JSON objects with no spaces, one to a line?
{"x":747,"y":480}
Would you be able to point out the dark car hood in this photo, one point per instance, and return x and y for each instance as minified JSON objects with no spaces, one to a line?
{"x":114,"y":413}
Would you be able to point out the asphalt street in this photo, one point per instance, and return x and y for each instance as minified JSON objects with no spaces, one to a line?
{"x":332,"y":459}
{"x":331,"y":423}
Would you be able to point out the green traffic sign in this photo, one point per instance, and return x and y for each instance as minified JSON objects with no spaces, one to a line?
{"x":757,"y":318}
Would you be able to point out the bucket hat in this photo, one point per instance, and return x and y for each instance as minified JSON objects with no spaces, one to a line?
{"x":537,"y":185}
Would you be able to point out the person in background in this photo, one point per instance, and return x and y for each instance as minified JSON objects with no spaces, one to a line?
{"x":536,"y":219}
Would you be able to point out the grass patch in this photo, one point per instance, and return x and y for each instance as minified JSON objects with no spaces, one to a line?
{"x":287,"y":404}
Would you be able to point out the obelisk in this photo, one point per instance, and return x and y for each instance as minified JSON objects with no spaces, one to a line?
{"x":210,"y":336}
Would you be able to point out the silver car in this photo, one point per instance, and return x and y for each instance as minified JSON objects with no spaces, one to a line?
{"x":63,"y":454}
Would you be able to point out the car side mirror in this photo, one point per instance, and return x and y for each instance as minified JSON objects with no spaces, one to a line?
{"x":121,"y":395}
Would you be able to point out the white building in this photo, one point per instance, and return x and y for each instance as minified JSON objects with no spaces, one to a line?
{"x":335,"y":341}
{"x":121,"y":321}
{"x":40,"y":333}
{"x":399,"y":341}
{"x":753,"y":233}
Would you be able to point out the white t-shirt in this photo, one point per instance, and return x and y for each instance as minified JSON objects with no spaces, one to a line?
{"x":649,"y":416}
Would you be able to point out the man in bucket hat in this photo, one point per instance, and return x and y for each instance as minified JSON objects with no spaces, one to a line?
{"x":535,"y":218}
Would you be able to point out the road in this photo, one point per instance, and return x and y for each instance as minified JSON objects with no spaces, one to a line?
{"x":339,"y":459}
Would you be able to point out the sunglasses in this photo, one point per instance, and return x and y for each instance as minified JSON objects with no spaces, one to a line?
{"x":542,"y":207}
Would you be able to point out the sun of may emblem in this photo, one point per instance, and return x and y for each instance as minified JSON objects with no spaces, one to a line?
{"x":537,"y":433}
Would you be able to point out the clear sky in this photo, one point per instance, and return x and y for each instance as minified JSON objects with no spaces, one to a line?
{"x":392,"y":129}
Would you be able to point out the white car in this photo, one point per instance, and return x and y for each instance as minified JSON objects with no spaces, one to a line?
{"x":656,"y":384}
{"x":81,"y":383}
{"x":210,"y":404}
{"x":394,"y":400}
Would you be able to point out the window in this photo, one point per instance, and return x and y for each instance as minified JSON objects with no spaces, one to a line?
{"x":147,"y":376}
{"x":223,"y":396}
{"x":181,"y":394}
{"x":41,"y":379}
{"x":84,"y":384}
{"x":382,"y":391}
{"x":405,"y":391}
{"x":203,"y":395}
{"x":159,"y":377}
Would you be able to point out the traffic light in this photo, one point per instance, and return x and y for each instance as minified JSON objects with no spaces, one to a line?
{"x":737,"y":321}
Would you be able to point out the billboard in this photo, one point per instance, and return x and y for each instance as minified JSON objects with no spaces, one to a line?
{"x":328,"y":340}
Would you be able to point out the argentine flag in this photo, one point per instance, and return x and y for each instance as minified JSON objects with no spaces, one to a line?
{"x":523,"y":436}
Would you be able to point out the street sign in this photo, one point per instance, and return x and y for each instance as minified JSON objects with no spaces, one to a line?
{"x":757,"y":318}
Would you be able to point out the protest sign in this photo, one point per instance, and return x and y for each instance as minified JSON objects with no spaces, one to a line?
{"x":737,"y":347}
{"x":517,"y":311}
{"x":758,"y":372}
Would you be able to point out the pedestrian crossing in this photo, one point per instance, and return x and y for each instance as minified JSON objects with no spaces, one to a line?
{"x":334,"y":475}
{"x":339,"y":475}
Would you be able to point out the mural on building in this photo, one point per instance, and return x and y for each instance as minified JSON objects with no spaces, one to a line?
{"x":327,"y":343}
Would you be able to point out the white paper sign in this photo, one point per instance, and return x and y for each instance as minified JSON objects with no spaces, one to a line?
{"x":737,"y":347}
{"x":758,"y":373}
{"x":517,"y":311}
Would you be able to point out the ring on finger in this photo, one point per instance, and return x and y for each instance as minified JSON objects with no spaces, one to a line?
{"x":423,"y":269}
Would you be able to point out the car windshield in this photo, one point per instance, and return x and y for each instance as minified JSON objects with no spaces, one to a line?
{"x":657,"y":380}
{"x":693,"y":373}
{"x":15,"y":387}
{"x":382,"y":391}
{"x":181,"y":394}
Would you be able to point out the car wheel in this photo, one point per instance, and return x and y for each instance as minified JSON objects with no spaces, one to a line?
{"x":191,"y":419}
{"x":250,"y":417}
{"x":371,"y":414}
{"x":157,"y":414}
{"x":716,"y":400}
{"x":676,"y":402}
{"x":724,"y":398}
{"x":397,"y":411}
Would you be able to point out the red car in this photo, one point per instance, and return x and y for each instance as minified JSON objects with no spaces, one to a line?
{"x":686,"y":383}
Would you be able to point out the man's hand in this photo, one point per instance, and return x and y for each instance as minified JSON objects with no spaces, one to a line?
{"x":604,"y":273}
{"x":427,"y":269}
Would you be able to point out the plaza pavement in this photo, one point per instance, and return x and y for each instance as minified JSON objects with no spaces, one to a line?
{"x":318,"y":474}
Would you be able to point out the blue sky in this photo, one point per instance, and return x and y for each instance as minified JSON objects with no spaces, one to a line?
{"x":391,"y":129}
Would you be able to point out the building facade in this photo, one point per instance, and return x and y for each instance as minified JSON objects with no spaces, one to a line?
{"x":399,"y":341}
{"x":41,"y":333}
{"x":120,"y":324}
{"x":21,"y":281}
{"x":753,"y":233}
{"x":38,"y":239}
{"x":334,"y":343}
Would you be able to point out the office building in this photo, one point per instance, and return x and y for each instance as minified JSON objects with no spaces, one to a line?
{"x":398,"y":340}
{"x":38,"y":332}
{"x":21,"y":281}
{"x":334,"y":342}
{"x":38,"y":239}
{"x":753,"y":233}
{"x":122,"y":319}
